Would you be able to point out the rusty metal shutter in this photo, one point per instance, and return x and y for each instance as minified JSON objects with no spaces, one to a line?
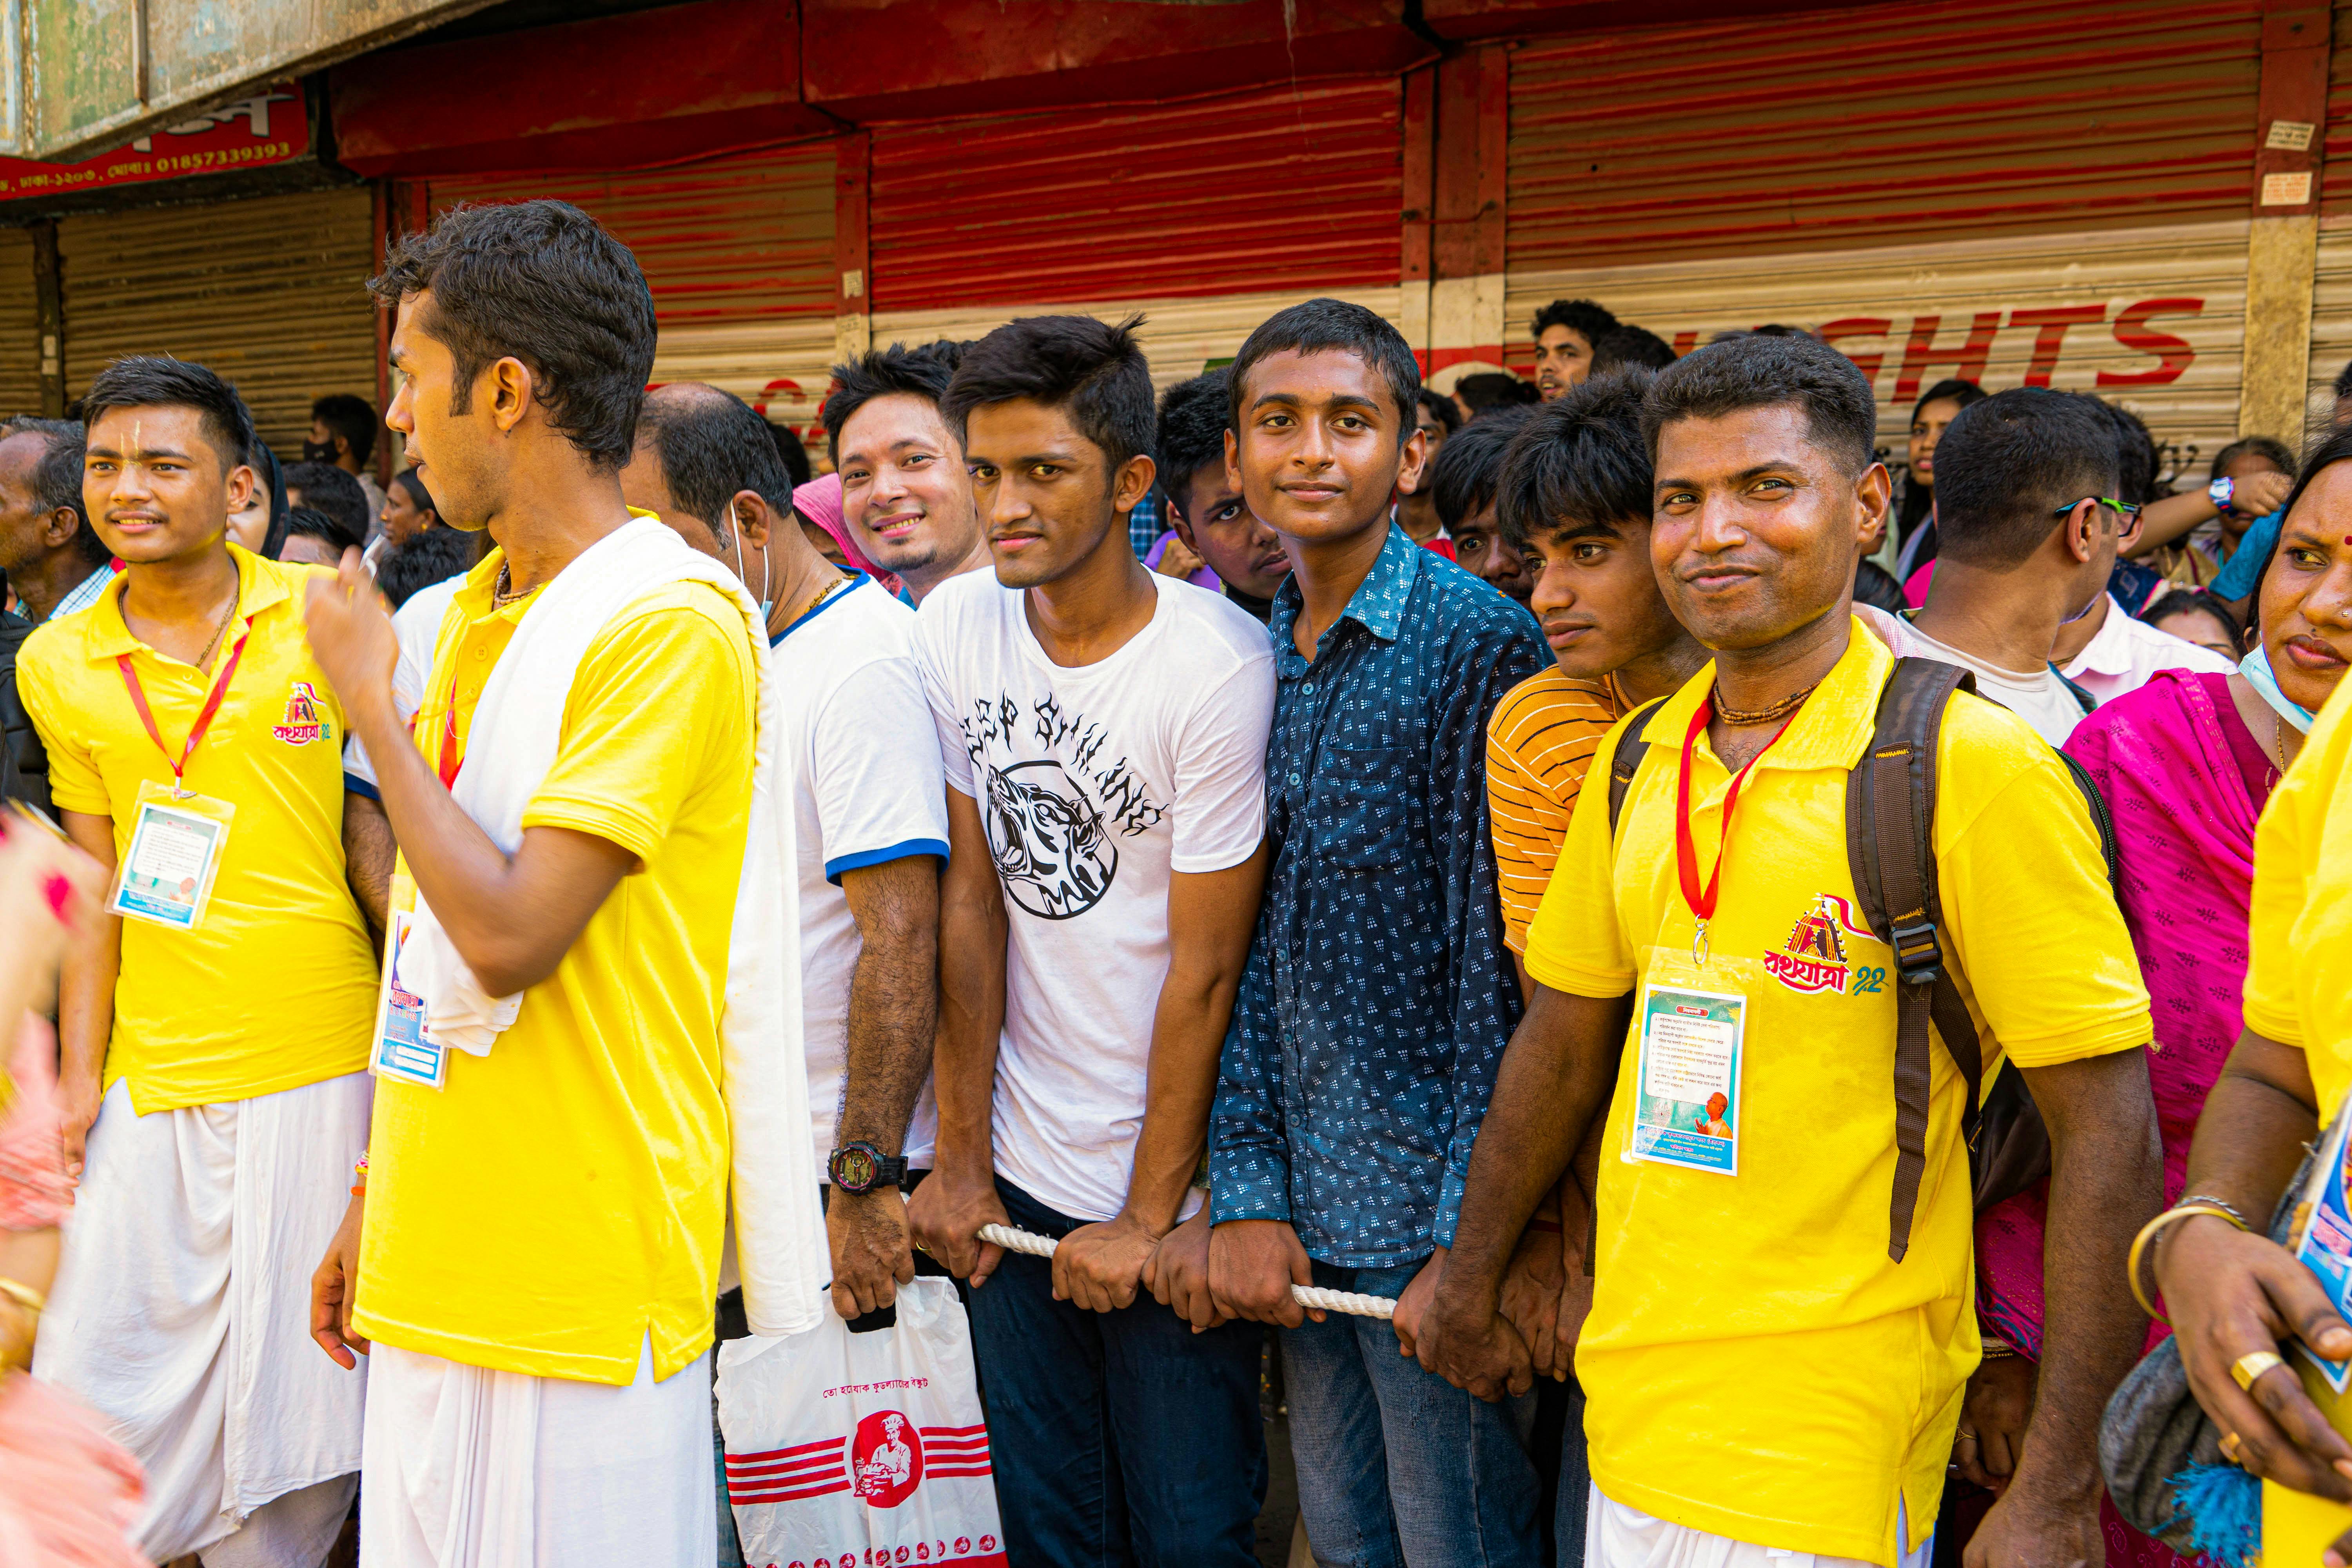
{"x":1872,"y":125}
{"x":269,"y":291}
{"x":20,"y":326}
{"x":1207,"y":215}
{"x":739,"y":253}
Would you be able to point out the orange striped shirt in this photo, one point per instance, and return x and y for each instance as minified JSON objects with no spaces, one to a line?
{"x":1540,"y":741}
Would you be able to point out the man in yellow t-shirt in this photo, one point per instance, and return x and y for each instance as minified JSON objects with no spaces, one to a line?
{"x":1763,"y":1374}
{"x":536,"y":1248}
{"x":213,"y":1040}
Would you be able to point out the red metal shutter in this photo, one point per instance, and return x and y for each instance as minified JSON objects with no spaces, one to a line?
{"x":1999,"y":189}
{"x":1208,"y":215}
{"x":738,"y":254}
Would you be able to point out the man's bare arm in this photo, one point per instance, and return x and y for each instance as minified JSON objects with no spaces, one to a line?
{"x":1555,"y":1077}
{"x":894,"y":1014}
{"x":2106,"y":1178}
{"x":368,"y":854}
{"x":948,"y":1209}
{"x":1211,"y":916}
{"x":86,"y":996}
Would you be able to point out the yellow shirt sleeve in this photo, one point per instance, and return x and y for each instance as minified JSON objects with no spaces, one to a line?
{"x":74,"y":781}
{"x":1577,"y":943}
{"x":655,"y":693}
{"x":2055,"y":974}
{"x":2282,"y":861}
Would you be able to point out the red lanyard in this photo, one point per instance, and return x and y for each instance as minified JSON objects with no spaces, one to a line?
{"x":205,"y":715}
{"x":451,"y":759}
{"x":1701,"y":899}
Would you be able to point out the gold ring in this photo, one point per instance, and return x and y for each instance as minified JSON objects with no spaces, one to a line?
{"x":2229,"y":1446}
{"x":1965,"y":1436}
{"x":2252,"y":1365}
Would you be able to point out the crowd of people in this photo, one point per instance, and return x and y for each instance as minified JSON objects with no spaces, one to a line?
{"x":613,"y":889}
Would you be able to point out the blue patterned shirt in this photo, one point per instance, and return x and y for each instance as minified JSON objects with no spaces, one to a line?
{"x":87,"y":592}
{"x":1378,"y":994}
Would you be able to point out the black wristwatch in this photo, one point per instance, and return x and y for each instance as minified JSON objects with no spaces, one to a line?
{"x":859,"y":1168}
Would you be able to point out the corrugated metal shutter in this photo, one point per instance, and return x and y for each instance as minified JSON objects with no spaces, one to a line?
{"x":1279,"y":191}
{"x":20,"y":326}
{"x":738,"y":254}
{"x":2152,"y":318}
{"x":1871,"y":125}
{"x":2331,"y":297}
{"x":269,"y":291}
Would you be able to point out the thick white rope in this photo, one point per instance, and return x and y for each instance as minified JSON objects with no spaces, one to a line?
{"x":1313,"y":1296}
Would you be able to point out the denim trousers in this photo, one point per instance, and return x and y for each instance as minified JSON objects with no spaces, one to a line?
{"x":1396,"y":1467}
{"x":1120,"y":1439}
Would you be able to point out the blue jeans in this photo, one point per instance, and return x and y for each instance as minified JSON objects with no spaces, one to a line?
{"x":1119,"y":1438}
{"x":1396,"y":1467}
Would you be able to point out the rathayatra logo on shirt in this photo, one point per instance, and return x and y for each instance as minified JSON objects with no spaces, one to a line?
{"x":303,"y":724}
{"x":1814,"y":958}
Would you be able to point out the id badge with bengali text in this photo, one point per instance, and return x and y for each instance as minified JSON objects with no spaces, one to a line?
{"x":1690,"y":1048}
{"x":167,"y":869}
{"x":403,"y":1045}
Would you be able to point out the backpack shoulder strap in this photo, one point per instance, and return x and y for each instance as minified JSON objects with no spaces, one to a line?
{"x":1890,"y":819}
{"x":1627,"y":760}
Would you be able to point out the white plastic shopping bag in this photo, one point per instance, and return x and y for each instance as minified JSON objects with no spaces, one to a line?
{"x":858,"y":1451}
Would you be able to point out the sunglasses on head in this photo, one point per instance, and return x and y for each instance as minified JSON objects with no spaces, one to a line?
{"x":2125,"y":513}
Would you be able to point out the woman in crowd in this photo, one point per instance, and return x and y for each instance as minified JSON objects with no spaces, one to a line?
{"x":68,"y":1495}
{"x":1914,"y":511}
{"x":2194,"y":615}
{"x":2186,"y":764}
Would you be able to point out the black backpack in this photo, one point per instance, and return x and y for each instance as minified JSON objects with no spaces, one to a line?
{"x":24,"y":766}
{"x":1890,"y":799}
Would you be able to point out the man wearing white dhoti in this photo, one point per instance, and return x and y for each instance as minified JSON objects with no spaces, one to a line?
{"x":214,"y":1029}
{"x":595,"y":1033}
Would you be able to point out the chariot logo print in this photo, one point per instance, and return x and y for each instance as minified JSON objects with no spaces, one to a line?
{"x":1095,"y":783}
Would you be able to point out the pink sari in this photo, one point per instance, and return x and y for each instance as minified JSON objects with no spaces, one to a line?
{"x":2185,"y":837}
{"x":69,"y":1493}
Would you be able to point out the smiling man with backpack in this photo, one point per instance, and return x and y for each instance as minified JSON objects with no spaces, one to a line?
{"x":1817,"y":872}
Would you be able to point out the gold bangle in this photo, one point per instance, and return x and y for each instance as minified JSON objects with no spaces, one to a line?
{"x":25,"y":1295}
{"x":2147,"y":1234}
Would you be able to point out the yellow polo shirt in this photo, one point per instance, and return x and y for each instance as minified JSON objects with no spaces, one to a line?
{"x":563,"y":1197}
{"x":277,"y":987}
{"x":1755,"y":1367}
{"x":2299,"y":979}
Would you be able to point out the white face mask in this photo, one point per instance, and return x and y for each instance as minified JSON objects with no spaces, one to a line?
{"x":766,"y":606}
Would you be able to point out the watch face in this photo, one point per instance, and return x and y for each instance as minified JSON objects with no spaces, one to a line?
{"x":855,"y":1169}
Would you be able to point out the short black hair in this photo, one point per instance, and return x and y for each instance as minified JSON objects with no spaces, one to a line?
{"x":1471,"y":462}
{"x":710,"y":445}
{"x":1191,"y":436}
{"x":1755,"y":372}
{"x":2138,"y":465}
{"x":317,"y":524}
{"x":1334,"y":326}
{"x":1490,"y":389}
{"x":2276,"y":452}
{"x":2196,"y":601}
{"x":2008,"y":465}
{"x":1441,"y":408}
{"x":1093,"y":369}
{"x":540,"y":281}
{"x":418,"y":496}
{"x":923,"y":370}
{"x":159,"y":381}
{"x":1626,"y":345}
{"x":1578,"y":460}
{"x":351,"y":417}
{"x":792,"y":452}
{"x":328,"y":488}
{"x":425,"y":559}
{"x":1582,"y":317}
{"x":1953,"y":389}
{"x":2344,"y":380}
{"x":56,"y":478}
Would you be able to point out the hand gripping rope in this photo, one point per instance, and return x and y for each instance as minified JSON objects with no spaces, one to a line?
{"x":1313,"y":1296}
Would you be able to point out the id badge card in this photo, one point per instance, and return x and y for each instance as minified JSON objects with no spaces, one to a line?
{"x":2321,"y":1240}
{"x":166,"y":872}
{"x":404,"y":1048}
{"x":1688,"y":1055}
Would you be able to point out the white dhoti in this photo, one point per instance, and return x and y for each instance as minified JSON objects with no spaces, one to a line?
{"x":467,"y":1467}
{"x":182,"y":1314}
{"x":1617,"y":1536}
